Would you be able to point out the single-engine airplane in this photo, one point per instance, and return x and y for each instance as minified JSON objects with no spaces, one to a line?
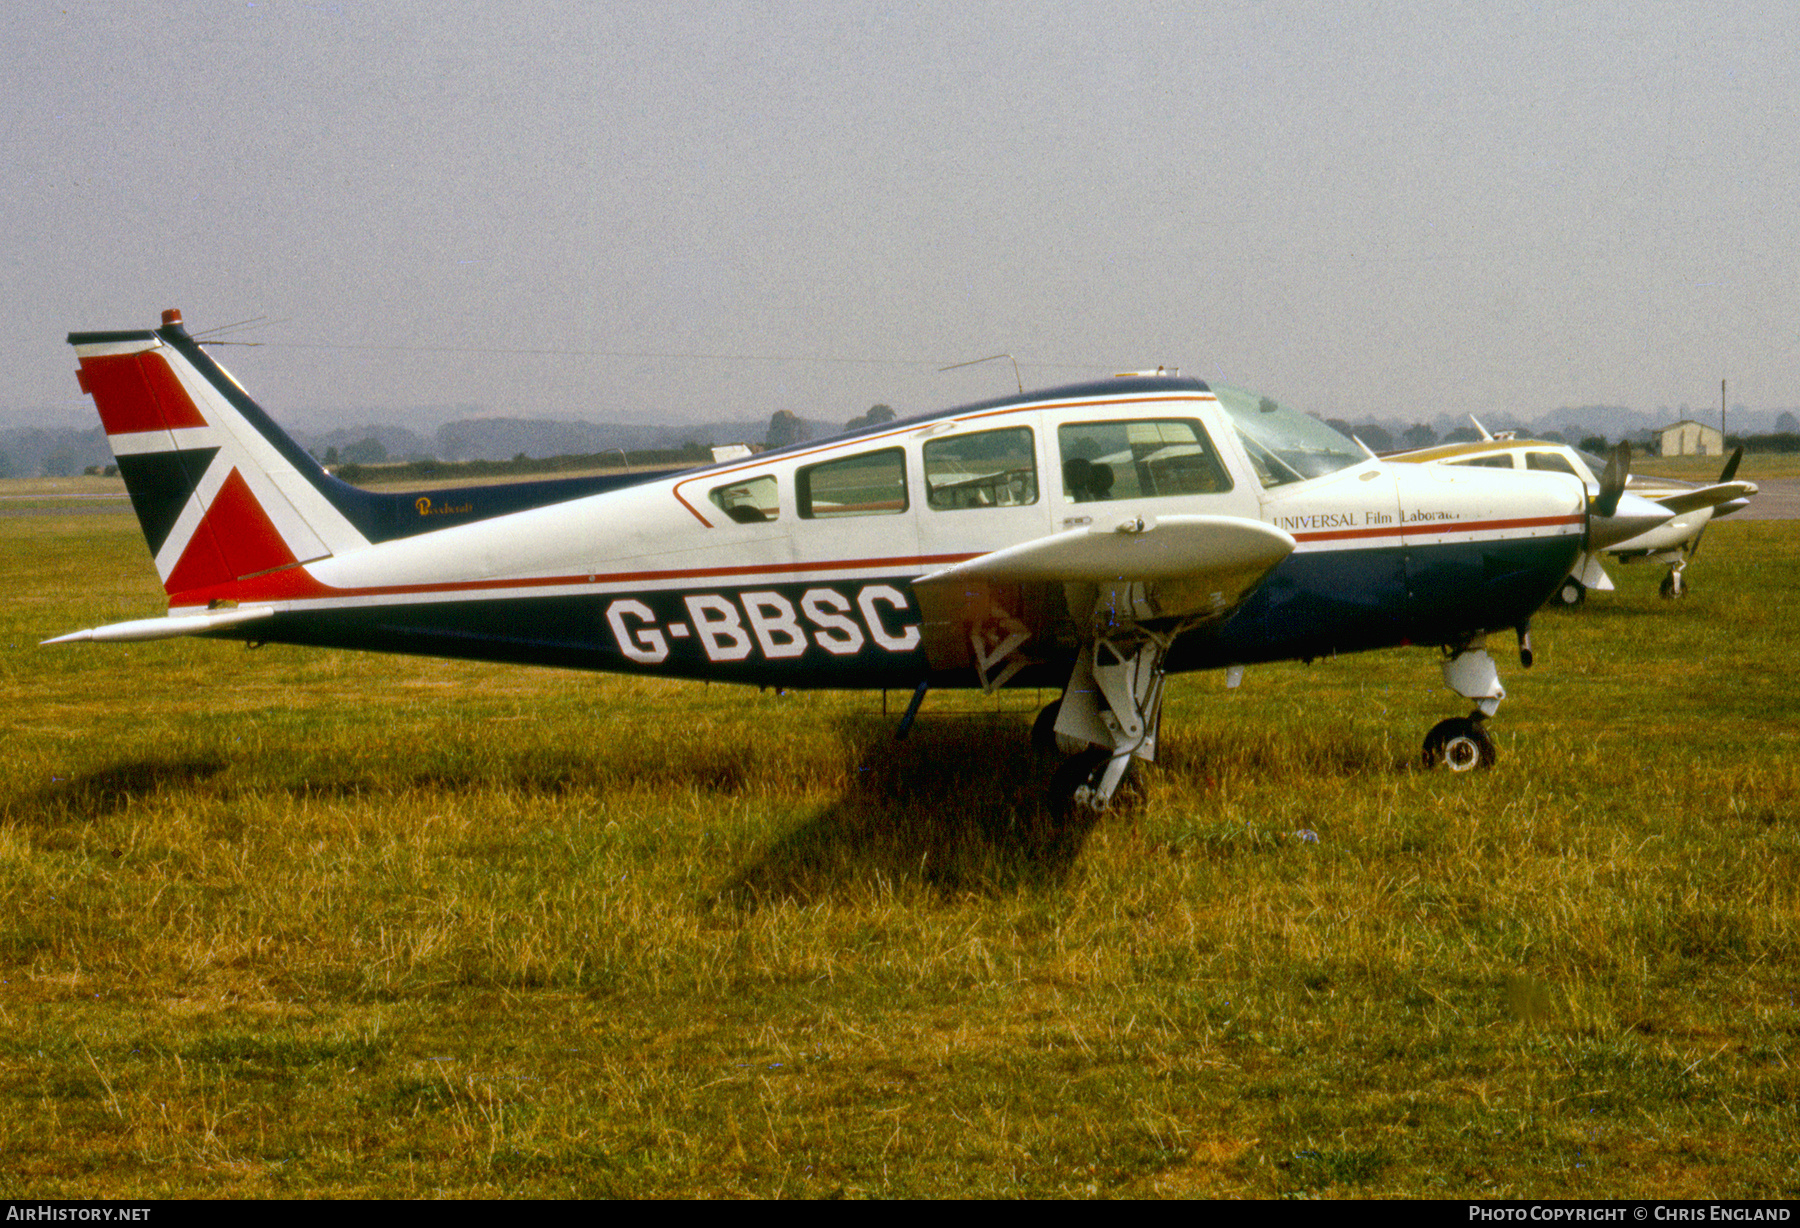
{"x":1692,"y":504}
{"x":1092,"y":538}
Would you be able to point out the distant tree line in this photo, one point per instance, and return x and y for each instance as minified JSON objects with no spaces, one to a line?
{"x":1774,"y":441}
{"x":367,"y":460}
{"x":786,"y":427}
{"x":1420,"y":435}
{"x":875,"y":417}
{"x":690,"y":453}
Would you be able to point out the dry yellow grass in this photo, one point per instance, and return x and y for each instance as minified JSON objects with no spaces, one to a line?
{"x":294,"y":922}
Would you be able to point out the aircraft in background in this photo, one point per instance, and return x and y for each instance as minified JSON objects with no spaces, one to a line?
{"x":1694,"y":505}
{"x":1092,"y":538}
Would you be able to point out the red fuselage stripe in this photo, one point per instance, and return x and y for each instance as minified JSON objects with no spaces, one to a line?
{"x":298,"y":584}
{"x":1420,"y":528}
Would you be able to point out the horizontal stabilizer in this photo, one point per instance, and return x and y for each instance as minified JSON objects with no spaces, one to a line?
{"x":1144,"y":548}
{"x":1706,"y":496}
{"x":163,"y":628}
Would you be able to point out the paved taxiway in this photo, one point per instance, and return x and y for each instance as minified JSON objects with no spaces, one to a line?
{"x":1776,"y":499}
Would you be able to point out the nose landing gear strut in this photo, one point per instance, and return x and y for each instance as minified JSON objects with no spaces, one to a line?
{"x":1462,"y":743}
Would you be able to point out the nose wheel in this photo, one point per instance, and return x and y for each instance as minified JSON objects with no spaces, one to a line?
{"x":1572,"y":593}
{"x":1460,"y":744}
{"x":1674,"y":585}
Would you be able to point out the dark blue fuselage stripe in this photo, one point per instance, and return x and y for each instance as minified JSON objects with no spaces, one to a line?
{"x":1310,"y":605}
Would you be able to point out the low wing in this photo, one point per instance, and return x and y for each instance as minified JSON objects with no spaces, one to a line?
{"x":999,"y":612}
{"x":1705,"y":496}
{"x":1231,"y":550}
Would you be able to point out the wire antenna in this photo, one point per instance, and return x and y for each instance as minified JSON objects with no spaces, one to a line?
{"x":260,"y":321}
{"x":990,"y":358}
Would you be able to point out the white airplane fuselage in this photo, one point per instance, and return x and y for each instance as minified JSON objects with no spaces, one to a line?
{"x":657,"y":577}
{"x":1090,"y":538}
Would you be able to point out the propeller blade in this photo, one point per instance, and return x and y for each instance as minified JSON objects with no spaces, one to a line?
{"x":1612,"y":482}
{"x":1731,"y":466}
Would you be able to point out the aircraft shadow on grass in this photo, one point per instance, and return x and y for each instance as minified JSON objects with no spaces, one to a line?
{"x":94,"y":795}
{"x":958,"y":807}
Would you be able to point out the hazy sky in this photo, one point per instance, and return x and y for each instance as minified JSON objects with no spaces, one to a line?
{"x":1367,"y":209}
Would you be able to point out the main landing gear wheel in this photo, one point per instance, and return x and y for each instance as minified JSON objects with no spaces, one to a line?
{"x":1572,"y":593}
{"x":1460,"y":744}
{"x":1673,"y":586}
{"x":1045,"y":739}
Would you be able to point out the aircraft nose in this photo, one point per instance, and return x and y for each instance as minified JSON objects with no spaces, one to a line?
{"x":1634,"y":514}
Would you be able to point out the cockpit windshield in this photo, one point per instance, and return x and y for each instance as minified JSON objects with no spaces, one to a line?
{"x":1285,"y":445}
{"x":1597,"y":464}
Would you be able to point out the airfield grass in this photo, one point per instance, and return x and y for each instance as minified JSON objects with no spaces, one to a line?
{"x":290,"y":922}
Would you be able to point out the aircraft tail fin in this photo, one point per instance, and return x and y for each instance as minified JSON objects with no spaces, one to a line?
{"x":222,"y":493}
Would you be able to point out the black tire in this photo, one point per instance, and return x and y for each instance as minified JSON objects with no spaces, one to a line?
{"x":1460,"y":744}
{"x":1045,"y":739}
{"x":1074,"y":772}
{"x":1673,"y":586}
{"x":1572,"y":593}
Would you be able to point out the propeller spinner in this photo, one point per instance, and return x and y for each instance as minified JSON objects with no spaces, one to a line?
{"x":1615,"y":516}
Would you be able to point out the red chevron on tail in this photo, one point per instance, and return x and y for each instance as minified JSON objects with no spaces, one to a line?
{"x":214,"y":483}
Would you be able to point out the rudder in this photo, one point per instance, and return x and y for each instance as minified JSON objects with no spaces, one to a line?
{"x":221,"y":493}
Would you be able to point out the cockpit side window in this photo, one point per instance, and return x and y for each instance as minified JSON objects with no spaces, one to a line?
{"x":1154,"y":459}
{"x":1550,"y":462}
{"x":1501,"y":461}
{"x":748,"y":500}
{"x":867,"y":484}
{"x":984,"y":469}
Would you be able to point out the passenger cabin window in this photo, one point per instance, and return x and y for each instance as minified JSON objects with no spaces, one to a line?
{"x":986,"y":469}
{"x":750,"y":501}
{"x":1502,"y":461}
{"x":1550,"y":462}
{"x":869,"y":484}
{"x":1138,"y":460}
